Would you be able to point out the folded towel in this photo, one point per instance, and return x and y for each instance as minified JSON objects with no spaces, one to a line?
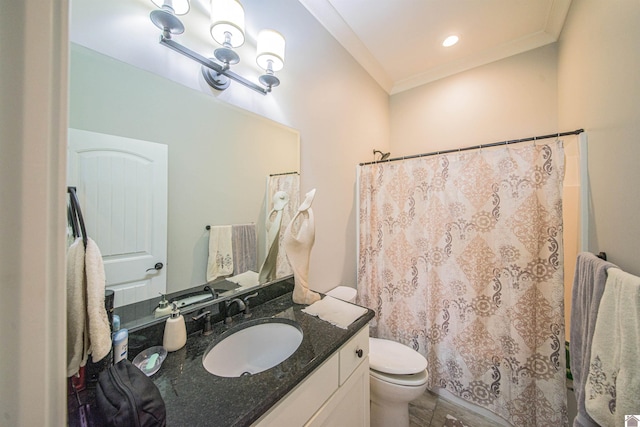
{"x":220,"y":261}
{"x":244,"y":280}
{"x":335,"y":311}
{"x":588,"y":285}
{"x":613,"y":385}
{"x":245,"y":248}
{"x":76,"y":312}
{"x":99,"y":328}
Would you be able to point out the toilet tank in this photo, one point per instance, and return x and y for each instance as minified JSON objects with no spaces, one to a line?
{"x":345,"y":293}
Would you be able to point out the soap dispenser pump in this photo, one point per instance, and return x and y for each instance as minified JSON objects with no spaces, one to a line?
{"x":175,"y":331}
{"x":163,"y":307}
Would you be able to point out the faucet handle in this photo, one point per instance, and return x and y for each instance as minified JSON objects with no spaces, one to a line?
{"x":201,"y":315}
{"x":247,"y":312}
{"x":207,"y":329}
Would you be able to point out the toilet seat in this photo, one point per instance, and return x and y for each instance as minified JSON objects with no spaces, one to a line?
{"x":410,"y":380}
{"x":390,"y":357}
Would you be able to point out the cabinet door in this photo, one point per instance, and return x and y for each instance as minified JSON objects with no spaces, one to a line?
{"x":349,"y":406}
{"x":303,"y":401}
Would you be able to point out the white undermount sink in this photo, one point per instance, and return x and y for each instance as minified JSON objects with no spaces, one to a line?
{"x":253,"y":347}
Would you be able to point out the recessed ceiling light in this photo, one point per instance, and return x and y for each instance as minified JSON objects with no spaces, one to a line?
{"x":450,"y":41}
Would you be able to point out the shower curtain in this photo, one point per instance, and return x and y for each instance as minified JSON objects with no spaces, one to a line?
{"x":460,"y":255}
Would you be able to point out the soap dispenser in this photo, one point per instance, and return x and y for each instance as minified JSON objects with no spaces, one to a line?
{"x":163,"y":307}
{"x":175,"y":331}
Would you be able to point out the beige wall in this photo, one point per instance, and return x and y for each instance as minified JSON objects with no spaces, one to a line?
{"x":512,"y":98}
{"x":32,"y":212}
{"x":599,"y":89}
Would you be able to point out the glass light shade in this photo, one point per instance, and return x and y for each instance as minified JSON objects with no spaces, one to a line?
{"x":270,"y":48}
{"x":227,"y":16}
{"x":180,"y":7}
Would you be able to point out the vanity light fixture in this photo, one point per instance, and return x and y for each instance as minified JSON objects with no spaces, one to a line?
{"x":227,"y":29}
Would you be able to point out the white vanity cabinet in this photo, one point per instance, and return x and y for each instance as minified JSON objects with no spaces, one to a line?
{"x":335,"y":394}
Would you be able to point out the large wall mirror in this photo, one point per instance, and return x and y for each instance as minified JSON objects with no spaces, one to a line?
{"x":219,"y":156}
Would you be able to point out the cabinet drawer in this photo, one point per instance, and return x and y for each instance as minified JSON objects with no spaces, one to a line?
{"x":353,"y":353}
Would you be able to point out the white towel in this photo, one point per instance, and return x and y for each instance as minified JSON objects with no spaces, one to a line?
{"x":337,"y":312}
{"x":220,"y":261}
{"x":244,"y":280}
{"x":99,"y":330}
{"x":588,"y":286}
{"x":612,"y":388}
{"x":77,"y":341}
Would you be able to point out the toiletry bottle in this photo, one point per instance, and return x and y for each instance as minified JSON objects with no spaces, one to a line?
{"x":120,"y":340}
{"x":175,"y":331}
{"x":163,"y":307}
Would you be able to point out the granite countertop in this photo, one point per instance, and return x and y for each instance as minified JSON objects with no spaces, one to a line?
{"x":195,"y":397}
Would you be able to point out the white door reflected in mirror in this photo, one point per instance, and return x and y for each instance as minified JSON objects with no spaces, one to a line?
{"x":122,"y":188}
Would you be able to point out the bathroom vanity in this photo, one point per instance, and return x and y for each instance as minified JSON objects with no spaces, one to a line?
{"x":325,"y":382}
{"x":336,"y":393}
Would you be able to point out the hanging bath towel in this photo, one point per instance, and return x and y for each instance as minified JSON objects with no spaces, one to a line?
{"x":588,"y":286}
{"x":99,"y":329}
{"x":76,"y":313}
{"x":613,"y":385}
{"x":220,"y":261}
{"x":245,"y":248}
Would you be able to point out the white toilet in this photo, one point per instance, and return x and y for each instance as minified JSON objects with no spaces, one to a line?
{"x":397,"y":375}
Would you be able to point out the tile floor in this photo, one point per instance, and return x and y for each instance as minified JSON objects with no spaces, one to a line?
{"x":430,"y":410}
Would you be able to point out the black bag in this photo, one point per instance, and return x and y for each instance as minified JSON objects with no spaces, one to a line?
{"x":127,"y":397}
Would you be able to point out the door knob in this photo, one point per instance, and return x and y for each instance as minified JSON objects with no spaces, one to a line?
{"x":359,"y":352}
{"x":156,"y":267}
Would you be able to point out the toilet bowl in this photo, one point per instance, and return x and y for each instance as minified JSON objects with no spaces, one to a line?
{"x":397,"y":375}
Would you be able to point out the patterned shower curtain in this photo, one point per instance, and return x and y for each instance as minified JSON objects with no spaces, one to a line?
{"x":460,"y":255}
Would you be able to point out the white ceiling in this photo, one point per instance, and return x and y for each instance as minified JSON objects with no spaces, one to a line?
{"x":399,"y":42}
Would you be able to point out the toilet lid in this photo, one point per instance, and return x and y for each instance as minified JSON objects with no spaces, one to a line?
{"x":411,"y":380}
{"x":344,"y":293}
{"x":394,"y":358}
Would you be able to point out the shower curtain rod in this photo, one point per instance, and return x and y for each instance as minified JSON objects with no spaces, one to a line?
{"x":475,"y":147}
{"x":285,"y":173}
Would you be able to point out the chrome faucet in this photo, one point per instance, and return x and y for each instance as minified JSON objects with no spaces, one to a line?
{"x":228,"y":304}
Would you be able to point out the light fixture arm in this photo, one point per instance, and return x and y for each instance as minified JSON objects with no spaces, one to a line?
{"x":206,"y":62}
